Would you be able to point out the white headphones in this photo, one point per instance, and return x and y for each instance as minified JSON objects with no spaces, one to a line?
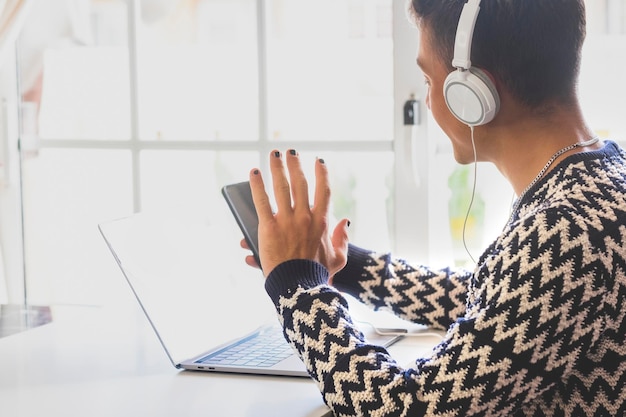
{"x":469,"y":93}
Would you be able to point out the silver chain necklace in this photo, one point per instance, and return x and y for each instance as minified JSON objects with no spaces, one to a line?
{"x":547,"y":165}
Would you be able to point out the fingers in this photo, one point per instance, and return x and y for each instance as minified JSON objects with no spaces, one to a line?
{"x":250,"y":261}
{"x":282,"y":191}
{"x":340,"y":237}
{"x":322,"y":187}
{"x":259,"y":196}
{"x":340,"y":240}
{"x":296,"y":231}
{"x":295,"y":188}
{"x":292,"y":192}
{"x":299,"y":185}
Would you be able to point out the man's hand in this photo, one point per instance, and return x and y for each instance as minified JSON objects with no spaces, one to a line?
{"x":297,"y":230}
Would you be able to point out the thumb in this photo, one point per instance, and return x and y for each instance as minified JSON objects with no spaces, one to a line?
{"x":340,"y":241}
{"x":340,"y":235}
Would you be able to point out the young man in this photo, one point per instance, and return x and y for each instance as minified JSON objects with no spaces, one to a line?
{"x":539,"y":327}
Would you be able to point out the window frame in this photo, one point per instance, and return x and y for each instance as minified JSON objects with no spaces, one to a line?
{"x":414,"y":147}
{"x":406,"y":82}
{"x":410,"y":227}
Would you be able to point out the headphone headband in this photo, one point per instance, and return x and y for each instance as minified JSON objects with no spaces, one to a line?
{"x":464,"y":35}
{"x":469,"y":93}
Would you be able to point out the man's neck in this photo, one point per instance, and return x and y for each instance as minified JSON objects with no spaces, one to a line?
{"x":522,"y":147}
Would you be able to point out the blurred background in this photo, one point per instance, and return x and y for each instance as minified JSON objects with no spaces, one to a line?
{"x":111,"y":107}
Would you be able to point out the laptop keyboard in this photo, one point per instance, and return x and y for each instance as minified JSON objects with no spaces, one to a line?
{"x":263,"y":349}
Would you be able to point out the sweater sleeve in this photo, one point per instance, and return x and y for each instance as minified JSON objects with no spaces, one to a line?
{"x":434,"y":297}
{"x":543,"y":328}
{"x":528,"y":323}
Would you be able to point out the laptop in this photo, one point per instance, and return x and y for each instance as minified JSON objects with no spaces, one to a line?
{"x":208,"y":309}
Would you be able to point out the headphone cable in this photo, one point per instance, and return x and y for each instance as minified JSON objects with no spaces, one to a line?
{"x":469,"y":208}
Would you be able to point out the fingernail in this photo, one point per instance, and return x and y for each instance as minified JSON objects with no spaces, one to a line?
{"x":256,"y":172}
{"x":277,"y":154}
{"x":293,"y":152}
{"x":349,"y":223}
{"x":321,"y":160}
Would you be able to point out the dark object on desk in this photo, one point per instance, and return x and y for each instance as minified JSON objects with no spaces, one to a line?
{"x":16,"y":318}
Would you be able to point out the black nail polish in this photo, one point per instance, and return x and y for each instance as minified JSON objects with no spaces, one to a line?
{"x":349,"y":223}
{"x":277,"y":154}
{"x":256,"y":172}
{"x":293,"y":152}
{"x":321,"y":161}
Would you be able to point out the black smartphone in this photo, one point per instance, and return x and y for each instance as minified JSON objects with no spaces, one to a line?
{"x":239,"y":199}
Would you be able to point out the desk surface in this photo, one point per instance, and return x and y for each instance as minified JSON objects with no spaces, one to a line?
{"x":92,"y":361}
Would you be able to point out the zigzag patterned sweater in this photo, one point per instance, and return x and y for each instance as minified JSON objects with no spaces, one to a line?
{"x":538,"y":329}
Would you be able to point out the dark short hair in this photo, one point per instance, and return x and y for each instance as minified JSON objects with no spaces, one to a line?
{"x":532,"y":47}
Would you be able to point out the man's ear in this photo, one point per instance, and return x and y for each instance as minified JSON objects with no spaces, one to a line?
{"x":471,"y":96}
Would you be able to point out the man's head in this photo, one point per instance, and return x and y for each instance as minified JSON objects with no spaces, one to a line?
{"x":531,"y":47}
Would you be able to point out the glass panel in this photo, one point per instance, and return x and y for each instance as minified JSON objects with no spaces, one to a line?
{"x":187,"y":185}
{"x":192,"y":181}
{"x":74,"y":71}
{"x":449,"y":195}
{"x":604,"y":57}
{"x":198,"y":70}
{"x":362,"y":191}
{"x":330,"y":70}
{"x":66,"y":194}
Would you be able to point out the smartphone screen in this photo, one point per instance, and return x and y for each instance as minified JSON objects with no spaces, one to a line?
{"x":239,"y":199}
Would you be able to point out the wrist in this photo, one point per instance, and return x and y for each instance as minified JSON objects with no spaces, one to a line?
{"x":288,"y":276}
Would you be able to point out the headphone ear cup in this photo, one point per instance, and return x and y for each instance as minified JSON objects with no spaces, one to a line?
{"x":471,"y":96}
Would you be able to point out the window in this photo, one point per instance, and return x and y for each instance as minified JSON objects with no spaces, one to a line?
{"x":153,"y":106}
{"x":604,"y":54}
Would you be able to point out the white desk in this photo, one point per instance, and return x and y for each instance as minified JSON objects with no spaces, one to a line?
{"x":92,"y":361}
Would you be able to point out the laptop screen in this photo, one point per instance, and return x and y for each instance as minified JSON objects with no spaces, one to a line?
{"x":190,"y":279}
